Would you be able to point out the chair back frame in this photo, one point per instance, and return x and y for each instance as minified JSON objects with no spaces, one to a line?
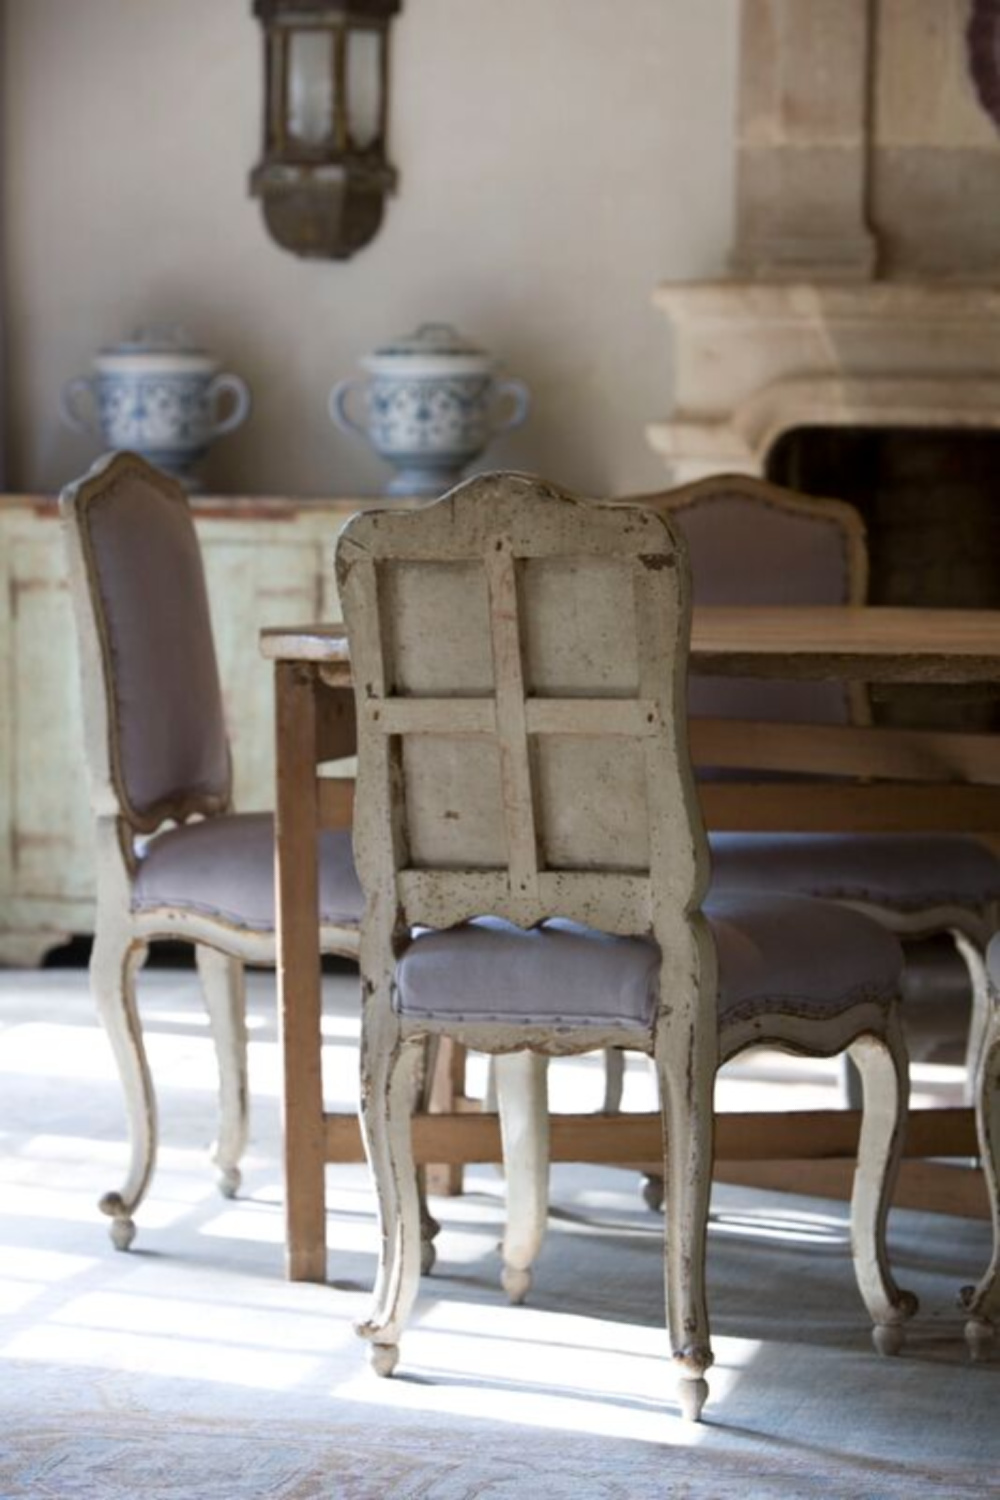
{"x":535,"y":572}
{"x":101,"y":720}
{"x":840,"y":519}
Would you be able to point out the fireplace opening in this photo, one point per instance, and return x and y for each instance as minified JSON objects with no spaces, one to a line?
{"x":930,"y":501}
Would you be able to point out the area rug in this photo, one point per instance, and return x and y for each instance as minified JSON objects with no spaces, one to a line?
{"x":189,"y":1369}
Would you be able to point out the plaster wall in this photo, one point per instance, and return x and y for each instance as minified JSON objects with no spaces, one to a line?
{"x":558,"y":159}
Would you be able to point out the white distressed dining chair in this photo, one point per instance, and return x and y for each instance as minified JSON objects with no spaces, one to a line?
{"x":528,"y":839}
{"x":754,"y":543}
{"x":982,"y":1302}
{"x":174,"y":860}
{"x":751,"y":542}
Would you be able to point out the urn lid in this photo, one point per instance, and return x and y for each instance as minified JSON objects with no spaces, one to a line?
{"x":155,"y":346}
{"x":435,"y":348}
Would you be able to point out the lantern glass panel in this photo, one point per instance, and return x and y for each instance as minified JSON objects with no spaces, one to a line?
{"x":311,"y":87}
{"x":364,"y":87}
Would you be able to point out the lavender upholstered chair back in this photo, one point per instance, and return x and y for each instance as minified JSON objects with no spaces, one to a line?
{"x":753,"y":543}
{"x":519,"y":664}
{"x":166,"y":751}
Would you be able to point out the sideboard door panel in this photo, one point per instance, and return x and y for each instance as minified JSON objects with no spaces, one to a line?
{"x":52,"y":841}
{"x":251,"y":585}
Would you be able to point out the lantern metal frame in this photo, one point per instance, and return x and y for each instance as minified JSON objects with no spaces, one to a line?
{"x":322,"y":199}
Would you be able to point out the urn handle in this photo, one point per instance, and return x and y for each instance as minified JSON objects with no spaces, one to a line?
{"x":339,"y":413}
{"x":521,"y":397}
{"x":231,"y":385}
{"x":68,"y":409}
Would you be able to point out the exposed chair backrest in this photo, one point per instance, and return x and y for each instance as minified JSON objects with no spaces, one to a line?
{"x":519,"y":660}
{"x":751,"y":542}
{"x":152,"y":701}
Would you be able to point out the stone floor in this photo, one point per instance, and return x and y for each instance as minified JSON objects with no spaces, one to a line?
{"x":189,"y":1369}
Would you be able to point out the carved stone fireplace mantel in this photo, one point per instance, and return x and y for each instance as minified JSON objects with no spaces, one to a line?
{"x":755,"y":360}
{"x":865,"y":285}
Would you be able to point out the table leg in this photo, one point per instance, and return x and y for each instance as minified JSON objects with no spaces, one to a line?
{"x":299,"y":977}
{"x":447,"y":1094}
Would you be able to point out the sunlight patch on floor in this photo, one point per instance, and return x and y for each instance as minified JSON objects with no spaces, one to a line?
{"x":148,"y":1355}
{"x":26,"y":1275}
{"x":527,"y":1366}
{"x":21,"y":1200}
{"x":69,"y":1051}
{"x":203,"y":1323}
{"x":18,"y":1262}
{"x":791,"y":1229}
{"x":601,"y":1378}
{"x":247,"y":1224}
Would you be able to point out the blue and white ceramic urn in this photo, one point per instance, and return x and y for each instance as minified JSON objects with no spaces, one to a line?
{"x":160,"y":396}
{"x":430,"y":407}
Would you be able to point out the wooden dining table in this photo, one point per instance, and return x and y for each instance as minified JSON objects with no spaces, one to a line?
{"x":848,"y":778}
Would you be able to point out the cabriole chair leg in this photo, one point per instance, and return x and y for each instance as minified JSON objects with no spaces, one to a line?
{"x":982,"y":1302}
{"x":388,"y":1081}
{"x":115,"y":961}
{"x":425,"y":1076}
{"x":521,"y":1080}
{"x":223,"y":984}
{"x":974,"y":959}
{"x":882,"y":1067}
{"x":688,"y":1123}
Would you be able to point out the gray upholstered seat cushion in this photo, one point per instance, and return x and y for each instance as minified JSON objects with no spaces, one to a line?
{"x":224,"y":867}
{"x":490,"y":970}
{"x":906,"y":872}
{"x":789,"y":953}
{"x":775,"y":953}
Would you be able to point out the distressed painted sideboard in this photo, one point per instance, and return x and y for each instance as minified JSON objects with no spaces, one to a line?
{"x":268,"y":561}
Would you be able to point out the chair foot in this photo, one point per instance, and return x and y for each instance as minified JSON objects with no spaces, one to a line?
{"x":691,"y":1363}
{"x":652,"y":1193}
{"x":122,"y":1229}
{"x":692,"y":1395}
{"x":384,"y":1359}
{"x":980,"y":1337}
{"x":230,"y":1180}
{"x":516,"y":1283}
{"x":889,"y":1338}
{"x":223,"y":988}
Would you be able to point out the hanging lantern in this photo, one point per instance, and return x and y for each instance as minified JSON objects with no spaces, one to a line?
{"x":324,"y":174}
